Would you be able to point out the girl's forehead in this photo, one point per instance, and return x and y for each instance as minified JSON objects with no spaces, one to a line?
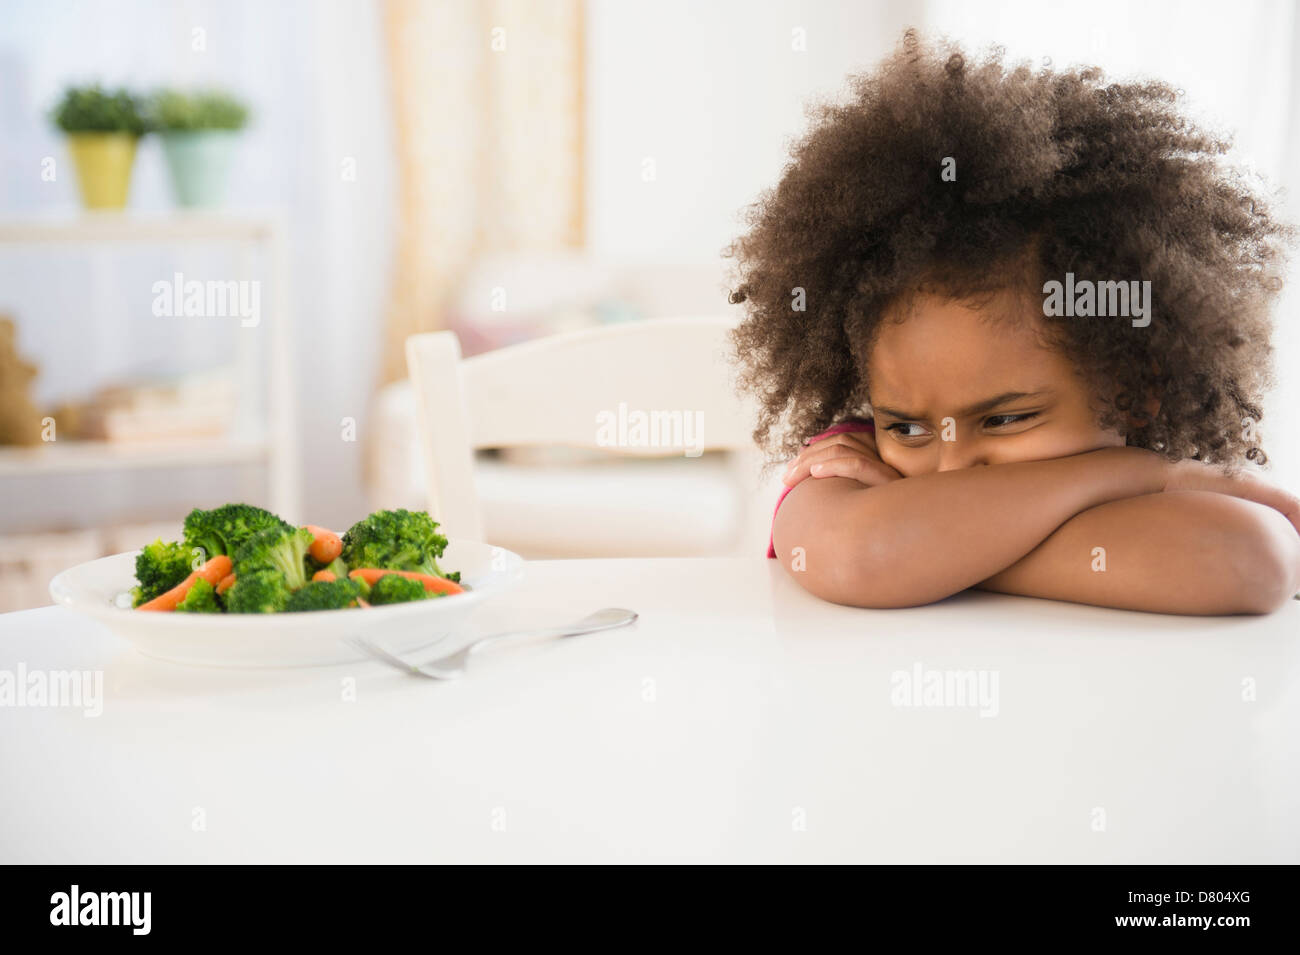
{"x":950,"y":353}
{"x":945,"y":328}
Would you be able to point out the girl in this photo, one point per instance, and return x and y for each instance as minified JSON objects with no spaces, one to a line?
{"x":1034,"y":306}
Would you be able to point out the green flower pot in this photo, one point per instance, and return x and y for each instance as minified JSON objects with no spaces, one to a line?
{"x":199,"y":162}
{"x":103,"y":162}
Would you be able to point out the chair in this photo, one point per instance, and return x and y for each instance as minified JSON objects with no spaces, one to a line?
{"x":583,"y":389}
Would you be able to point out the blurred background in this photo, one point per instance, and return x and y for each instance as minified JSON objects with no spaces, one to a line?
{"x":325,"y":178}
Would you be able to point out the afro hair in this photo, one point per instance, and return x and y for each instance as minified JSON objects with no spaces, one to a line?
{"x":1056,"y":172}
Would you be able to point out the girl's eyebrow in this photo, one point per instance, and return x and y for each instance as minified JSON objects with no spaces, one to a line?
{"x":979,"y":407}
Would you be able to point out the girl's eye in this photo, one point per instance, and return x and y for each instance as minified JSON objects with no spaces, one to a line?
{"x":1015,"y":419}
{"x":903,"y":424}
{"x":996,"y":421}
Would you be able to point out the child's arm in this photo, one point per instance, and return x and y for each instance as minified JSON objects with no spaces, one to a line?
{"x":1190,"y":552}
{"x":917,"y":540}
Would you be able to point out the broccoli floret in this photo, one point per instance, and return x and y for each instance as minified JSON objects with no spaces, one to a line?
{"x":324,"y":595}
{"x":268,"y":567}
{"x":223,"y":530}
{"x":279,"y":549}
{"x":396,"y":589}
{"x":335,"y":567}
{"x":160,"y":567}
{"x":396,"y":540}
{"x":262,"y":591}
{"x":202,"y":598}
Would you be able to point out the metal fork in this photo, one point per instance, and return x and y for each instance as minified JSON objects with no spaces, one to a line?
{"x":453,"y":665}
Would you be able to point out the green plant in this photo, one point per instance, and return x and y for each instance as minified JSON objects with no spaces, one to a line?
{"x":177,"y":111}
{"x":92,"y":109}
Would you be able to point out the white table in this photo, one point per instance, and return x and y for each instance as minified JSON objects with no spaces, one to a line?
{"x":740,"y":719}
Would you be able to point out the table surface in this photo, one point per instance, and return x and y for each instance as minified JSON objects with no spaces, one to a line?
{"x":740,"y":719}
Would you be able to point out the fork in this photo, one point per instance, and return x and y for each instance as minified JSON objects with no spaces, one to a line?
{"x":452,"y":665}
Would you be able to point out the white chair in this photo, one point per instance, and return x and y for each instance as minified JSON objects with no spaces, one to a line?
{"x":584,"y":389}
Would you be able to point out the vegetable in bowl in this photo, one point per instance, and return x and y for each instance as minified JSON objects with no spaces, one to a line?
{"x":398,"y":540}
{"x":269,"y":567}
{"x":202,"y":598}
{"x":160,"y":567}
{"x":396,"y":589}
{"x":223,"y":530}
{"x":242,"y":559}
{"x":325,"y":595}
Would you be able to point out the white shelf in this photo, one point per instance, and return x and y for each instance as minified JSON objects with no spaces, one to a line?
{"x":67,"y":457}
{"x":265,"y":227}
{"x":171,"y":226}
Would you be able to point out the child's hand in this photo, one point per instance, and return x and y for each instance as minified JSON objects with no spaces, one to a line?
{"x":1199,"y":476}
{"x":851,"y":454}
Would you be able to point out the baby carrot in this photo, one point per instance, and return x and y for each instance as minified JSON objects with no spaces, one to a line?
{"x":227,"y":582}
{"x":439,"y":584}
{"x":325,"y":575}
{"x":213,"y":572}
{"x":326,"y":545}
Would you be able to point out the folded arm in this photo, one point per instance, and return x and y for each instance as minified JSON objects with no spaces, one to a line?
{"x":1190,"y":552}
{"x":920,"y":539}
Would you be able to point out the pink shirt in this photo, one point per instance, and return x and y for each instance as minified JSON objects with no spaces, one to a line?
{"x":852,"y":424}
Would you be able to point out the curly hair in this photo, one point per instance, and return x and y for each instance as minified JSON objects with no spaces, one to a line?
{"x":1056,"y":172}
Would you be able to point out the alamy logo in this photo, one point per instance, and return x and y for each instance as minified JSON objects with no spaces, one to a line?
{"x":653,"y":429}
{"x":945,"y":688}
{"x":1087,"y":299}
{"x":194,"y":299}
{"x":102,"y":908}
{"x":72,"y":688}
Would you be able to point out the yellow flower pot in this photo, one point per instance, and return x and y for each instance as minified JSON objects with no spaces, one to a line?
{"x":103,"y":162}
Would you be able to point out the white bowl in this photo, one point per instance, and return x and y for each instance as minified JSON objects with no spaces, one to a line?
{"x":286,"y":639}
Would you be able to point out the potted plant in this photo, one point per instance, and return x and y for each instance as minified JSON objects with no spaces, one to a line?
{"x":103,"y":129}
{"x":199,"y":131}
